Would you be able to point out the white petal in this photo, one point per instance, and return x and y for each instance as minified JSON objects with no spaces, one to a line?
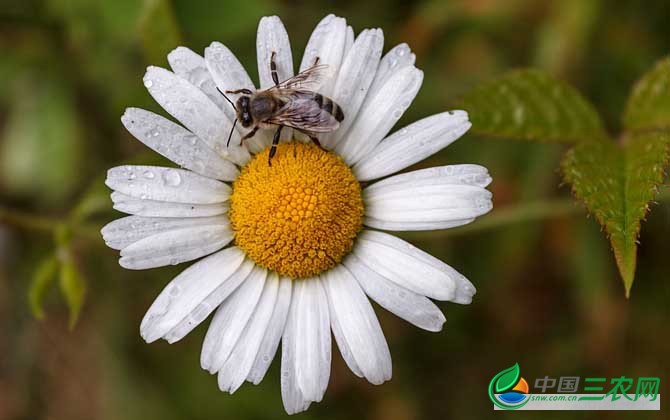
{"x":272,"y":37}
{"x":437,"y":199}
{"x":464,"y":174}
{"x":410,"y":306}
{"x":237,"y":367}
{"x":327,"y":42}
{"x":354,"y":79}
{"x":412,"y":144}
{"x":361,"y":337}
{"x":192,"y":67}
{"x":273,"y":332}
{"x":408,"y":266}
{"x":175,"y":246}
{"x":210,"y":303}
{"x":229,"y":74}
{"x":230,"y":320}
{"x":379,"y":114}
{"x":177,"y":144}
{"x":412,"y":226}
{"x":343,"y":345}
{"x":395,"y":60}
{"x":184,"y":296}
{"x":312,"y":351}
{"x":166,"y":184}
{"x":193,"y":108}
{"x":349,"y":40}
{"x":120,"y":233}
{"x":152,"y":208}
{"x":226,"y":70}
{"x":291,"y":395}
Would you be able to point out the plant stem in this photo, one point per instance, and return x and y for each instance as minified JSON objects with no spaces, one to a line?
{"x":47,"y":224}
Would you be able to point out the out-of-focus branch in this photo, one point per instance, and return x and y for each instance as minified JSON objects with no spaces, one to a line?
{"x":46,"y":224}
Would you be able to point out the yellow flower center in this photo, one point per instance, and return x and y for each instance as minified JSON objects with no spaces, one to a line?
{"x":300,"y":216}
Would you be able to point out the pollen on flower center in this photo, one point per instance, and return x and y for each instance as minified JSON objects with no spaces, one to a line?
{"x":300,"y":216}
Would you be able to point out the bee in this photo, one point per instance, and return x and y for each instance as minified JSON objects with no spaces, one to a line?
{"x":287,"y":104}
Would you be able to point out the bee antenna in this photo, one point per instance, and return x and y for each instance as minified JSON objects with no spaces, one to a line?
{"x":231,"y":132}
{"x":227,"y":98}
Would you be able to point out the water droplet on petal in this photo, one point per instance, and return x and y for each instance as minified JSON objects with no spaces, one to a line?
{"x":171,"y":178}
{"x":148,"y":83}
{"x":149,"y":175}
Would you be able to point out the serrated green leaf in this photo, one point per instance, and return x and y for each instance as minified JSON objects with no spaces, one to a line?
{"x":649,"y":104}
{"x":44,"y":275}
{"x":158,"y":30}
{"x":531,"y":105}
{"x":72,"y":286}
{"x":506,"y":379}
{"x":617,"y":183}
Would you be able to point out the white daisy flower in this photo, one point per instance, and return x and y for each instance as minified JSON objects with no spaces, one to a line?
{"x":293,"y":251}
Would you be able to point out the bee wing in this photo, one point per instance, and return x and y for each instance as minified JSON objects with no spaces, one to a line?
{"x":309,"y":78}
{"x":303,"y":112}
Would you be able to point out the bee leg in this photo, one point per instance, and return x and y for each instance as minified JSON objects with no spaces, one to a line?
{"x":316,"y":141}
{"x":235,"y":92}
{"x":273,"y":68}
{"x":316,"y":60}
{"x":275,"y":142}
{"x":249,"y":135}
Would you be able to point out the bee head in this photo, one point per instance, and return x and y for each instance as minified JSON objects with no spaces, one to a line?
{"x":243,"y":111}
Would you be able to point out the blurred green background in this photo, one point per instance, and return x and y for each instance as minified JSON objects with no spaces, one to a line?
{"x":549,"y":296}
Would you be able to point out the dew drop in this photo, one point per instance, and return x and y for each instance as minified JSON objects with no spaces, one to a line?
{"x":175,"y":291}
{"x":171,"y":178}
{"x":198,"y":166}
{"x":149,"y":175}
{"x":148,"y":83}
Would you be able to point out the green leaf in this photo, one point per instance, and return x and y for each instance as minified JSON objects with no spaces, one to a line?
{"x":649,"y":104}
{"x":72,"y":286}
{"x":531,"y":105}
{"x":617,"y":183}
{"x":507,"y":379}
{"x":159,"y":30}
{"x":44,"y":275}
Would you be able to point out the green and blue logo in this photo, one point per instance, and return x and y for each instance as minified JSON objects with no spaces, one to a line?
{"x":508,"y":390}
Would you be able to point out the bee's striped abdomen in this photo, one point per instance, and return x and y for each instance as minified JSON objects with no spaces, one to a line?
{"x":329,"y":106}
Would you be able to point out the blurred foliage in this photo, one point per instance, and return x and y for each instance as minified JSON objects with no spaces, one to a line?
{"x":530,"y":105}
{"x":547,"y":292}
